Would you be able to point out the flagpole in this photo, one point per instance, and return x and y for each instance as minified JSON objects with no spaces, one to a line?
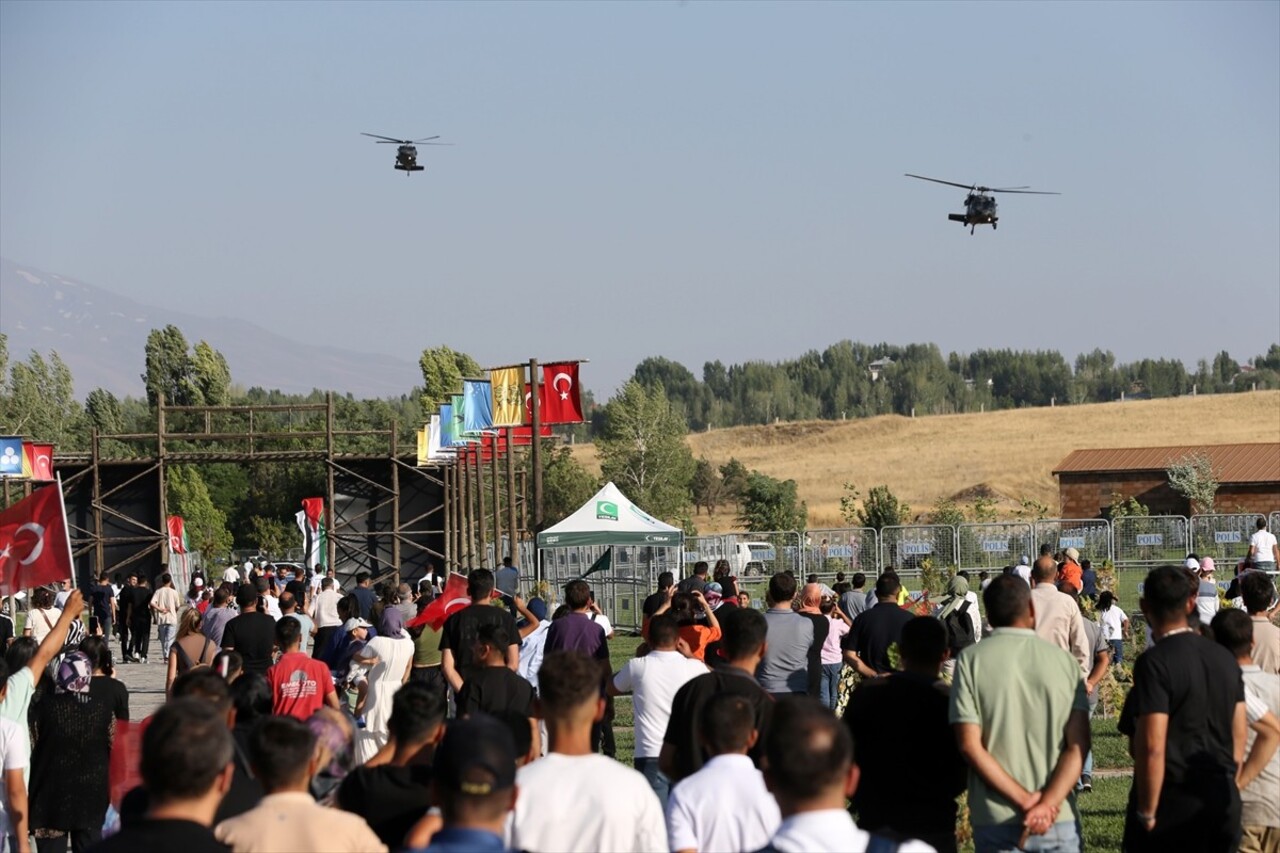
{"x":535,"y":419}
{"x":512,"y":533}
{"x":66,"y":528}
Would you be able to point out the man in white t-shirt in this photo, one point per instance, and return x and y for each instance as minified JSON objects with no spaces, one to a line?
{"x":232,"y":575}
{"x":575,"y":800}
{"x":596,"y":615}
{"x":725,"y":805}
{"x":655,"y":679}
{"x":1023,"y":569}
{"x":1263,"y":548}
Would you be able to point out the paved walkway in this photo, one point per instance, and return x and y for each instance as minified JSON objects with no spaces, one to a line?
{"x":145,"y":681}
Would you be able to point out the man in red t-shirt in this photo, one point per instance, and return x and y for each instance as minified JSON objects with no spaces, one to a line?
{"x":300,"y":684}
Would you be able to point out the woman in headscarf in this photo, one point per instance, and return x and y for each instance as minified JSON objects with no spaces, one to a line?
{"x":958,"y":595}
{"x":71,"y":734}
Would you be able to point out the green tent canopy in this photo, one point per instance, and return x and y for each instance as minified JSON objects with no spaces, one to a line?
{"x":610,"y":518}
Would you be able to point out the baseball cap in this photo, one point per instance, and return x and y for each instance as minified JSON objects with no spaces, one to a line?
{"x":538,"y":608}
{"x":199,"y":582}
{"x":1073,"y":554}
{"x":1024,"y":561}
{"x":713,"y":587}
{"x":1192,"y":564}
{"x":352,"y":624}
{"x":1206,"y":565}
{"x":476,"y":757}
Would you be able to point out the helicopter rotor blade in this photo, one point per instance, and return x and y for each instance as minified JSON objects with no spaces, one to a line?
{"x":1025,"y":192}
{"x":936,"y":181}
{"x":385,"y":138}
{"x":420,"y":141}
{"x":1005,"y":189}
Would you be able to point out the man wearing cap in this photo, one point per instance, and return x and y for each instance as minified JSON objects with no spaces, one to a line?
{"x":1070,"y":572}
{"x":1023,"y":569}
{"x":474,"y":782}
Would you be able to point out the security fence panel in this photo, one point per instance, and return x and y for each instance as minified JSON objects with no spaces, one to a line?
{"x":905,"y":548}
{"x":1223,"y":537}
{"x":750,"y":555}
{"x":1090,"y":536}
{"x":846,"y":549}
{"x":1274,"y":524}
{"x":1144,"y":542}
{"x":995,"y":545}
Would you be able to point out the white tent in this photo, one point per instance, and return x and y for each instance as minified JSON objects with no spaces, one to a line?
{"x":610,"y":518}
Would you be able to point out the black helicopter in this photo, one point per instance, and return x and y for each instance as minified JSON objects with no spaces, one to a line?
{"x":979,"y":207}
{"x":407,"y":153}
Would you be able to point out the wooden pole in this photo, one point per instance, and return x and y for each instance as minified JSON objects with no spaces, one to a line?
{"x":535,"y":419}
{"x":330,"y":512}
{"x":512,"y":530}
{"x":497,"y":505}
{"x":468,"y":528}
{"x":160,"y":473}
{"x":480,"y":524}
{"x":447,"y":513}
{"x":395,"y":503}
{"x":99,"y":550}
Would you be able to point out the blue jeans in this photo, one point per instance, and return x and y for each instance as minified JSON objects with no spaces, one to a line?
{"x":657,"y":780}
{"x":1117,"y":651}
{"x":1003,"y":838}
{"x":1087,"y":770}
{"x":829,"y":687}
{"x":166,"y":633}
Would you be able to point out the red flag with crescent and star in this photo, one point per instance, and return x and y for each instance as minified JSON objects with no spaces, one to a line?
{"x":34,"y":548}
{"x":450,"y":601}
{"x":561,"y":399}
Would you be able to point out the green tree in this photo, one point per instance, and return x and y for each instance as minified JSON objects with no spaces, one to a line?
{"x":706,"y":488}
{"x":1192,"y":477}
{"x":945,"y":511}
{"x":642,"y":449}
{"x":39,"y":401}
{"x":771,"y":504}
{"x":881,"y":509}
{"x":1122,"y":506}
{"x":442,"y":372}
{"x":206,"y":524}
{"x":271,"y":535}
{"x":169,"y":369}
{"x":102,"y":410}
{"x":734,"y":476}
{"x":211,"y":375}
{"x":566,"y":485}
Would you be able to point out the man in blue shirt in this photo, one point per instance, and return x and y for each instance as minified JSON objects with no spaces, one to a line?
{"x":474,"y":783}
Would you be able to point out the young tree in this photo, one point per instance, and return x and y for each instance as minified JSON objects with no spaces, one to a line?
{"x":945,"y":511}
{"x":642,"y":449}
{"x":733,"y":475}
{"x":881,"y":508}
{"x":39,"y":400}
{"x":211,"y":375}
{"x":442,"y":372}
{"x":169,"y":369}
{"x":1192,"y":477}
{"x":566,"y":485}
{"x":271,"y":535}
{"x":771,"y":504}
{"x":706,"y":487}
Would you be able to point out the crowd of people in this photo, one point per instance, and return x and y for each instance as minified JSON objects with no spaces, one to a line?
{"x":299,"y":716}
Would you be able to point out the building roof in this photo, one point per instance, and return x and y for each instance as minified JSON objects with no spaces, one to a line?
{"x":1232,"y":463}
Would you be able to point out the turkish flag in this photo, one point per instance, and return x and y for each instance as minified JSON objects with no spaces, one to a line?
{"x":453,"y":599}
{"x":37,"y":460}
{"x":561,"y":399}
{"x":177,"y":535}
{"x":523,"y":436}
{"x":528,"y":404}
{"x":34,"y":549}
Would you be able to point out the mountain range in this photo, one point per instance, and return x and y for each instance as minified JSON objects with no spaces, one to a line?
{"x":102,"y":337}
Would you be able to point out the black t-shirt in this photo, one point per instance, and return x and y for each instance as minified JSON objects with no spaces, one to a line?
{"x":138,"y":600}
{"x":1197,"y":683}
{"x":391,"y":799}
{"x":686,"y":714}
{"x":460,"y":631}
{"x":874,"y":631}
{"x":495,"y":690}
{"x":908,"y":703}
{"x":113,"y":691}
{"x":245,"y":791}
{"x":653,"y":602}
{"x":162,"y":836}
{"x":367,"y":598}
{"x":821,"y":627}
{"x":253,"y":635}
{"x":101,"y":597}
{"x":6,"y":632}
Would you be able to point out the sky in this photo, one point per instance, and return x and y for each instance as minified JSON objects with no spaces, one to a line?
{"x":695,"y":180}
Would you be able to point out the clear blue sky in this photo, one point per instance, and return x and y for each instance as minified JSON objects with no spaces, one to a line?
{"x":697,"y":180}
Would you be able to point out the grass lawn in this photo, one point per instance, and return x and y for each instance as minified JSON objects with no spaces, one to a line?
{"x":1102,"y":809}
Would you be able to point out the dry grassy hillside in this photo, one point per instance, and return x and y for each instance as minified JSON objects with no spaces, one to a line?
{"x":1009,"y":455}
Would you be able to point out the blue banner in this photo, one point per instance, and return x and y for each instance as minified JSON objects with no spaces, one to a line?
{"x":477,"y":413}
{"x":447,"y":437}
{"x":11,"y":456}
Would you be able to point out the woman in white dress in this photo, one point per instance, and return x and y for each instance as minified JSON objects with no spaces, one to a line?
{"x":390,"y":660}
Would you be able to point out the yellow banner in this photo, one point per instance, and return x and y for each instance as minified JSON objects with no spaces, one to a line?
{"x":423,"y":451}
{"x":507,"y":389}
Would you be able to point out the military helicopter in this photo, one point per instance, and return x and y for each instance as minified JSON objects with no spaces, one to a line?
{"x":407,"y":153}
{"x":979,"y":207}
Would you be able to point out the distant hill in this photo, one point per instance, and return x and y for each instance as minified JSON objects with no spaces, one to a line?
{"x":101,"y":337}
{"x":1005,"y":456}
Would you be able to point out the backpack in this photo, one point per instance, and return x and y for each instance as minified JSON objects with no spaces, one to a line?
{"x":959,"y":629}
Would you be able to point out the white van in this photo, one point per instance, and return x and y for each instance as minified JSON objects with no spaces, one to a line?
{"x":746,"y":559}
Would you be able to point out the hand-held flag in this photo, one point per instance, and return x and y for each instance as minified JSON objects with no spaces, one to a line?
{"x":452,"y":599}
{"x":34,"y":546}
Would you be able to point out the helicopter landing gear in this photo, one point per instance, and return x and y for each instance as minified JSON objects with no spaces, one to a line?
{"x":993,"y":225}
{"x":972,"y":228}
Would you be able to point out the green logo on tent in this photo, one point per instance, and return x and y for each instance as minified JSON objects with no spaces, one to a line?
{"x":607,"y":510}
